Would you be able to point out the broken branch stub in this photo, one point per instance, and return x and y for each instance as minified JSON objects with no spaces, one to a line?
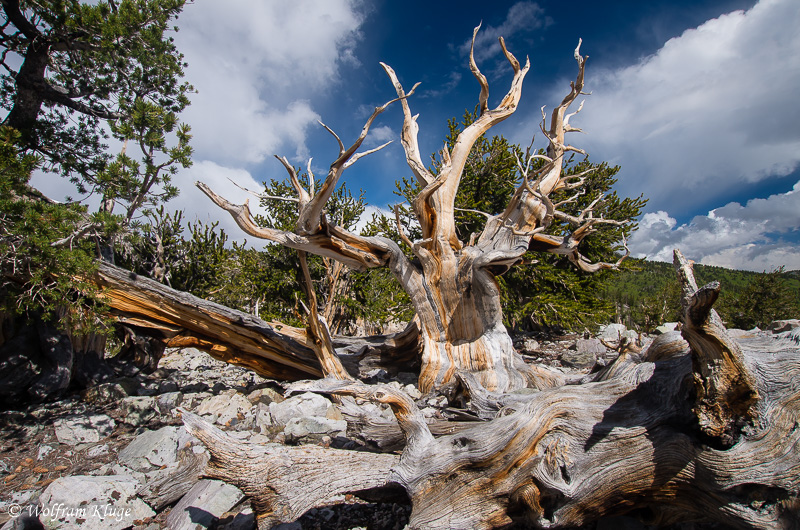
{"x":726,"y":389}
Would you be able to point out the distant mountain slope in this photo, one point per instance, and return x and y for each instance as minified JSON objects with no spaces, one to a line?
{"x":646,"y":293}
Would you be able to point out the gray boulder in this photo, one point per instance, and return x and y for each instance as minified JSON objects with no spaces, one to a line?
{"x":578,"y":359}
{"x":138,"y":410}
{"x":83,"y":428}
{"x":303,"y":405}
{"x":152,"y":449}
{"x":227,"y":408}
{"x":666,"y":327}
{"x":530,"y":345}
{"x":612,"y":332}
{"x":92,"y":503}
{"x":312,"y":429}
{"x":264,"y":395}
{"x":105,"y":393}
{"x":167,"y":402}
{"x":203,"y":504}
{"x":583,"y":346}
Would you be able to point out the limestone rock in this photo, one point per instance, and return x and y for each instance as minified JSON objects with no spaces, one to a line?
{"x":264,"y":395}
{"x":312,"y":429}
{"x":97,"y":450}
{"x":306,"y":404}
{"x":262,"y":419}
{"x":227,"y":408}
{"x":44,"y":450}
{"x":151,"y":449}
{"x":105,"y":393}
{"x":530,"y":345}
{"x":92,"y":503}
{"x":167,"y":402}
{"x":203,"y":504}
{"x":581,"y":358}
{"x":138,"y":410}
{"x":612,"y":332}
{"x":83,"y":428}
{"x":584,"y":346}
{"x":666,"y":327}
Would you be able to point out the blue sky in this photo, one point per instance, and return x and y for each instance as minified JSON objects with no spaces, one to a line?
{"x":696,"y":101}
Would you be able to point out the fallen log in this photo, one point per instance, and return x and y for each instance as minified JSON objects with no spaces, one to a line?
{"x":178,"y":319}
{"x":632,"y":439}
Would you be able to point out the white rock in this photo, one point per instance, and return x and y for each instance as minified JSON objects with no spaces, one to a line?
{"x":117,"y":469}
{"x":92,"y":503}
{"x":530,"y":345}
{"x":225,"y":408}
{"x":44,"y":450}
{"x":97,"y":450}
{"x":138,"y":410}
{"x":167,"y":402}
{"x":88,"y":428}
{"x":190,"y":359}
{"x":263,"y":419}
{"x":307,"y":404}
{"x":311,"y":429}
{"x":666,"y":327}
{"x":264,"y":395}
{"x":207,"y":500}
{"x":151,"y":449}
{"x":612,"y":332}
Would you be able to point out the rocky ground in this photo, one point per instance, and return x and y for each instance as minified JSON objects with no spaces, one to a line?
{"x":116,"y":456}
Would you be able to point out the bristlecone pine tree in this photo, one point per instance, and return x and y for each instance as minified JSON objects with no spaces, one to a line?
{"x":451,"y":282}
{"x":698,"y":427}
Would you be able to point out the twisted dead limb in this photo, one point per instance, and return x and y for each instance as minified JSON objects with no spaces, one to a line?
{"x":626,"y":442}
{"x":726,"y":390}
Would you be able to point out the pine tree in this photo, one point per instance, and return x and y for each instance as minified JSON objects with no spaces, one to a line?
{"x":80,"y":66}
{"x":545,"y":290}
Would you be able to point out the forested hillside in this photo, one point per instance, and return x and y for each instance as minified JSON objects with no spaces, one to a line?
{"x":646,"y":294}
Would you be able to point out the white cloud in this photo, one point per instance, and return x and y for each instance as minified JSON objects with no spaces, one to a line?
{"x":713,"y":108}
{"x":366,"y":217}
{"x":256,"y":65}
{"x":379,"y":136}
{"x":525,"y":16}
{"x":734,"y":236}
{"x":197,"y":206}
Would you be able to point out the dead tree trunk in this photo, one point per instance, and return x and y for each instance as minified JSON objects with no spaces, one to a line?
{"x":452,"y":283}
{"x":159,"y":317}
{"x":632,"y":439}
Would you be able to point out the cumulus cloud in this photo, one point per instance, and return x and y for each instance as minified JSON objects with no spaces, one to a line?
{"x":713,"y":108}
{"x":736,"y":236}
{"x":197,"y":206}
{"x":256,"y":65}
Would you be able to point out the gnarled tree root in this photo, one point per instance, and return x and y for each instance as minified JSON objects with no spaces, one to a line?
{"x":285,"y":482}
{"x":567,"y":456}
